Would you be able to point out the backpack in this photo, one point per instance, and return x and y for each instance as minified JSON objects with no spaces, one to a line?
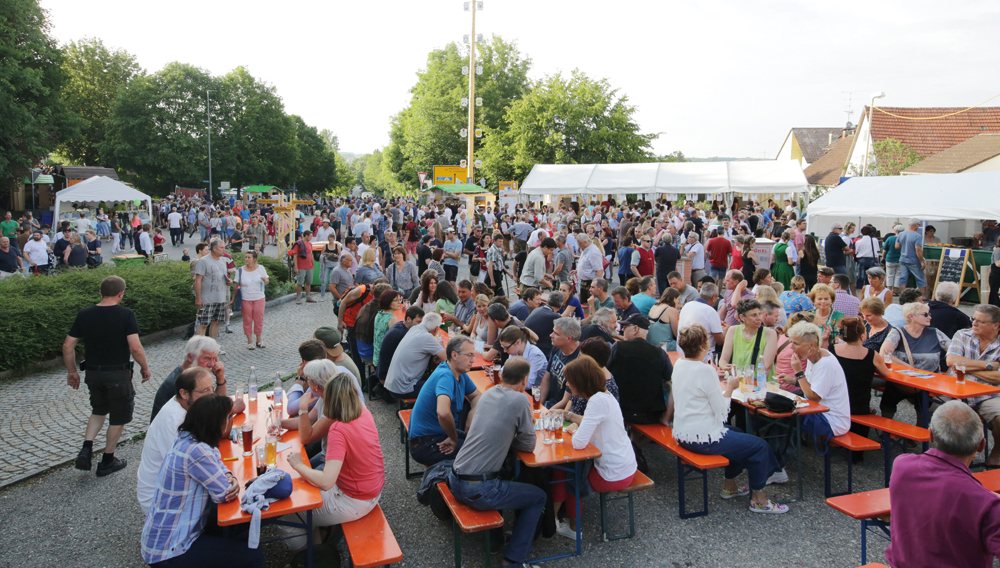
{"x":352,"y":309}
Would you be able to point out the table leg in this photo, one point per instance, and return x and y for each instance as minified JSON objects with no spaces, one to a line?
{"x":309,"y":538}
{"x":578,"y":473}
{"x":925,"y":413}
{"x":749,"y":422}
{"x":798,"y":451}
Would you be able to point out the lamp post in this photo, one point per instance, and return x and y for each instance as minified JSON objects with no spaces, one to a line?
{"x":471,"y":173}
{"x":868,"y":142}
{"x":208,"y":113}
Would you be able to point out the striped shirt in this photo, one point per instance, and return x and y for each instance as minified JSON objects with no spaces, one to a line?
{"x":192,"y":473}
{"x":966,"y":344}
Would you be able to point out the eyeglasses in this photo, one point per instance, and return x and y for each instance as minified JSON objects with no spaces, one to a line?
{"x":506,"y":347}
{"x":471,"y":355}
{"x":982,"y":322}
{"x":927,"y":314}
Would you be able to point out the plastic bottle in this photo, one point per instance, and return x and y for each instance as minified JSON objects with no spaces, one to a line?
{"x":761,"y":375}
{"x":252,"y":385}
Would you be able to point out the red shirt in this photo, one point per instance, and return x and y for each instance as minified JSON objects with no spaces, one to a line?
{"x":719,"y":250}
{"x":356,"y":444}
{"x":303,"y":263}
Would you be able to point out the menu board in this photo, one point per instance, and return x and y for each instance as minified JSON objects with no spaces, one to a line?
{"x":952,"y":265}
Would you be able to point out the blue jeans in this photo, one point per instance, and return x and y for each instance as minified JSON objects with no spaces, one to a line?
{"x":718,"y":272}
{"x":527,"y":500}
{"x":217,"y":551}
{"x":427,"y":452}
{"x":840,"y":269}
{"x":744,"y":452}
{"x":863,"y":265}
{"x":908,"y":267}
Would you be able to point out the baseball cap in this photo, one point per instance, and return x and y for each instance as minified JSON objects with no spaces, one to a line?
{"x":636,"y":320}
{"x":330,"y":336}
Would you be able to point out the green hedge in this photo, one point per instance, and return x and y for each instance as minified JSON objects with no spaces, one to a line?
{"x":277,"y":271}
{"x":39,"y":311}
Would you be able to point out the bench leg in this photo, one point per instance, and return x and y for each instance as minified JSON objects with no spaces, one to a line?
{"x":409,"y":474}
{"x":458,"y":544}
{"x":605,"y":500}
{"x":682,"y":473}
{"x":487,"y":557}
{"x":887,"y":456}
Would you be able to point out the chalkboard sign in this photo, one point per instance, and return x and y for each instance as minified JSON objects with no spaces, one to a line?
{"x":957,"y":265}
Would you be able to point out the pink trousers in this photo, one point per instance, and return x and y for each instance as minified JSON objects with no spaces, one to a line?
{"x":253,"y":317}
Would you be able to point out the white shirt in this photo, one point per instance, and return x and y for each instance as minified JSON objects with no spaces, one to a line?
{"x":159,"y":439}
{"x":252,"y":282}
{"x":82,"y":225}
{"x":145,"y":243}
{"x":696,"y":312}
{"x":37,"y":252}
{"x":603,"y":426}
{"x":591,"y":263}
{"x":175,"y":220}
{"x":322,"y":234}
{"x":867,"y":247}
{"x":700,"y":410}
{"x":698,"y":260}
{"x":826,"y":378}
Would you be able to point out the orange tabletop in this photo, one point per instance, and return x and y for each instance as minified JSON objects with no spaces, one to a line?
{"x":813,"y":408}
{"x":482,"y":383}
{"x":557,"y":454}
{"x":939,"y":384}
{"x":674,"y":356}
{"x":304,"y":496}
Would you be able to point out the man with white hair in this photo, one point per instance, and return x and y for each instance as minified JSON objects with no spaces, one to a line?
{"x":200,"y":351}
{"x":701,"y":312}
{"x":978,"y":349}
{"x":590,"y":265}
{"x":405,"y":376}
{"x":944,"y":315}
{"x":911,"y":256}
{"x":602,"y":324}
{"x":934,"y":493}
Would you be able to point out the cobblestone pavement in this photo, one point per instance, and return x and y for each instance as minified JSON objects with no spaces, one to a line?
{"x":46,"y":427}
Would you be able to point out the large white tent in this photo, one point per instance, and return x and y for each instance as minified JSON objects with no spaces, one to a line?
{"x":95,"y":190}
{"x":743,"y":178}
{"x":957,"y":201}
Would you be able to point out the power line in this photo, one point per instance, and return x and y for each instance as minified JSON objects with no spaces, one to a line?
{"x":937,"y":117}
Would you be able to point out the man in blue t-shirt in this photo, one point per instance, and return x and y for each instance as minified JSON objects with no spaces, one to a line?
{"x":452,"y":254}
{"x":909,"y":243}
{"x":836,"y":250}
{"x":437,"y":423}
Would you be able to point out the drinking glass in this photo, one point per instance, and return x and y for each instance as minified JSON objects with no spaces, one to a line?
{"x":261,"y":460}
{"x":496,"y":373}
{"x":247,"y":431}
{"x":960,"y":373}
{"x":547,"y":429}
{"x":271,"y":451}
{"x":887,"y":358}
{"x":536,"y":394}
{"x":558,"y":428}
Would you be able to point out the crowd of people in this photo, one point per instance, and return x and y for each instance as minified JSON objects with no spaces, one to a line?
{"x":540,"y":299}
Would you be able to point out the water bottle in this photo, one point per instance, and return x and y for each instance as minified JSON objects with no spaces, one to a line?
{"x":252,"y":385}
{"x":761,"y":376}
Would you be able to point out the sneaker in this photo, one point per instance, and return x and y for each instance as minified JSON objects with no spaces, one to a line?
{"x":222,"y":351}
{"x":83,"y":459}
{"x":298,"y":300}
{"x":563,"y":529}
{"x":770,"y":508}
{"x":778,"y":477}
{"x":322,"y":298}
{"x":228,"y":330}
{"x":109,"y":468}
{"x":740,"y":492}
{"x":309,"y":300}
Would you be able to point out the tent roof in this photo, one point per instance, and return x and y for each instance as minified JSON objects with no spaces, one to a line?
{"x":260,"y":188}
{"x":941,"y":197}
{"x":765,"y":176}
{"x":100,"y":188}
{"x":460,"y":188}
{"x":42,"y":180}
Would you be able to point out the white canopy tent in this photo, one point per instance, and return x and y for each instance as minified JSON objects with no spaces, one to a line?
{"x":743,"y":178}
{"x":95,"y":190}
{"x":957,"y":201}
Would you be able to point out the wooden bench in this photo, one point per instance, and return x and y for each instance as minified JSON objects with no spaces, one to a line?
{"x":874,"y":565}
{"x":469,"y":520}
{"x":688,"y":463}
{"x":852,"y":443}
{"x":402,"y":404}
{"x":894,"y":434}
{"x":370,"y":540}
{"x":639,"y":483}
{"x":404,"y":425}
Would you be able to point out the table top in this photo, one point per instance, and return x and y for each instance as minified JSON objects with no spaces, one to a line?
{"x":674,"y":356}
{"x":939,"y":384}
{"x":813,"y":408}
{"x":482,"y":383}
{"x":556,"y":454}
{"x":304,"y":495}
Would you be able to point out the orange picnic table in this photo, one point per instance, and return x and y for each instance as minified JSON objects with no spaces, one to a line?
{"x":442,"y":336}
{"x":566,"y":458}
{"x":938,"y":384}
{"x":304,"y":497}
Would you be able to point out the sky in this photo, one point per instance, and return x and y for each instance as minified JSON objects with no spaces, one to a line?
{"x":713,"y":78}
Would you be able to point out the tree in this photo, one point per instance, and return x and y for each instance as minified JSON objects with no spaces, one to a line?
{"x":317,"y":165}
{"x":574,"y":120}
{"x":33,"y":118}
{"x":95,"y":75}
{"x":889,"y":157}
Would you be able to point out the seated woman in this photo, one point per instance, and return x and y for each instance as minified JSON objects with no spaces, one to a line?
{"x":313,"y":425}
{"x":916,"y":344}
{"x":749,"y":341}
{"x":603,"y":425}
{"x":368,"y":272}
{"x":192,"y":477}
{"x":446,"y":300}
{"x":600,"y":351}
{"x":479,"y":324}
{"x":388,"y":303}
{"x":571,"y":308}
{"x":860,"y":365}
{"x":701,"y":410}
{"x":663,"y":317}
{"x":427,"y":298}
{"x":822,"y":381}
{"x":876,"y":326}
{"x":354,"y":474}
{"x":825,"y":316}
{"x":514,"y":341}
{"x":795,"y":299}
{"x":876,"y":287}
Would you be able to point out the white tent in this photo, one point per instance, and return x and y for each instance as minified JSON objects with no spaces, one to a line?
{"x":95,"y":190}
{"x":745,"y":178}
{"x":961,"y":199}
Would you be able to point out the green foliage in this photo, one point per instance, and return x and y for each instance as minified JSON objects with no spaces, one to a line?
{"x":33,"y":118}
{"x":565,"y":120}
{"x":317,"y":166}
{"x":39,"y":311}
{"x":277,"y":271}
{"x":95,"y":74}
{"x":889,"y":157}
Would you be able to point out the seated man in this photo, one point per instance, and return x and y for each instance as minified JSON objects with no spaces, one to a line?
{"x":845,"y":303}
{"x":333,"y":342}
{"x":466,"y":306}
{"x":642,"y":372}
{"x":500,"y":318}
{"x":440,"y":408}
{"x":531,"y":298}
{"x":944,"y":315}
{"x":191,"y":384}
{"x":623,"y":303}
{"x":687,"y":293}
{"x":565,"y":348}
{"x":413,"y":316}
{"x":200,"y":351}
{"x":978,"y":349}
{"x":646,"y":296}
{"x":598,"y":297}
{"x":405,"y":376}
{"x":602,"y":324}
{"x":934,"y":493}
{"x":541,"y":319}
{"x":502,"y":424}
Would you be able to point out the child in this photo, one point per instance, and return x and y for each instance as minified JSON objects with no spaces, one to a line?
{"x":158,"y":241}
{"x":187,"y":256}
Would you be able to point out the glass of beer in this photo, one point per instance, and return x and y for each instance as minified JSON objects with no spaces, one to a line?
{"x":489,"y":373}
{"x":271,"y":450}
{"x":960,"y":373}
{"x":536,"y":396}
{"x":497,"y":369}
{"x":887,"y":358}
{"x":558,"y":429}
{"x":261,"y":460}
{"x":247,"y":437}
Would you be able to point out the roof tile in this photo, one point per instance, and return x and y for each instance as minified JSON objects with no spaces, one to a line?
{"x":929,"y":137}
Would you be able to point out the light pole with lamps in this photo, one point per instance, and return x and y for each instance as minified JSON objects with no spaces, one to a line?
{"x":868,"y":142}
{"x":208,"y":112}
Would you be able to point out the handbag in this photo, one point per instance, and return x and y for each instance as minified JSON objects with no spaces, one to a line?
{"x":778,"y":404}
{"x":474,"y":265}
{"x":238,"y":297}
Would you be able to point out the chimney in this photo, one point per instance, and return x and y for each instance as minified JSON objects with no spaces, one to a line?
{"x":829,"y":139}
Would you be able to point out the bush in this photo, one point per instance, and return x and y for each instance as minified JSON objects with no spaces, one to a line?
{"x":39,"y":311}
{"x":277,"y":271}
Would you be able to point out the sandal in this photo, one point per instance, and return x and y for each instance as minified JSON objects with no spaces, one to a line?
{"x":250,"y":346}
{"x":261,"y":345}
{"x":740,"y":492}
{"x":770,"y":508}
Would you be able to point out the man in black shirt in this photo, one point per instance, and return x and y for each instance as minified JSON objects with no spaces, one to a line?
{"x":602,"y":324}
{"x":641,"y":371}
{"x":413,"y":316}
{"x":10,"y":258}
{"x":542,"y":319}
{"x":666,"y":257}
{"x":109,"y":333}
{"x":423,"y":255}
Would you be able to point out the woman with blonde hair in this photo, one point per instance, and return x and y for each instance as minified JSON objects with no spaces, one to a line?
{"x":368,"y":273}
{"x":353,"y":476}
{"x":795,"y":300}
{"x":823,"y":296}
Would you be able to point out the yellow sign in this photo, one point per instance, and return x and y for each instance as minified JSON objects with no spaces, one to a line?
{"x":448,"y":175}
{"x":269,"y":201}
{"x":303,"y":202}
{"x":284,"y":209}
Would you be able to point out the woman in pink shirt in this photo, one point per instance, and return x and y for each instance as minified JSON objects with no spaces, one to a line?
{"x":354,"y":473}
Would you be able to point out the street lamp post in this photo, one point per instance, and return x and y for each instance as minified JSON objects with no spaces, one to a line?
{"x":208,"y":112}
{"x":471,"y":173}
{"x":868,"y":142}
